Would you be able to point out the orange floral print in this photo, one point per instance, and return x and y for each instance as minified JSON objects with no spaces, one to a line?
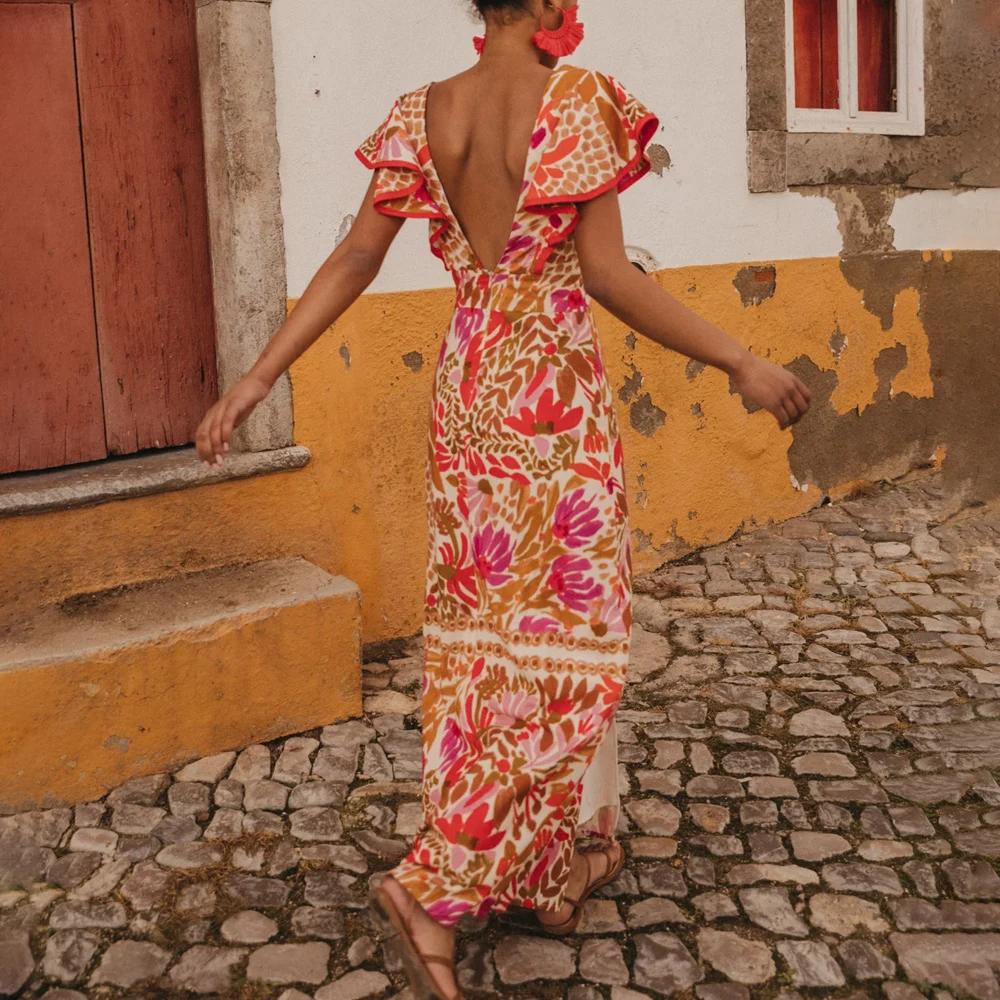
{"x":528,"y":589}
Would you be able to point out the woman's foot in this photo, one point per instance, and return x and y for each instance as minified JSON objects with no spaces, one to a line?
{"x":431,"y":940}
{"x":585,"y":873}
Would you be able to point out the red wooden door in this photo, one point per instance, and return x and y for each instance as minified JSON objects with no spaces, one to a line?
{"x":141,"y":120}
{"x":50,"y":389}
{"x":106,"y":317}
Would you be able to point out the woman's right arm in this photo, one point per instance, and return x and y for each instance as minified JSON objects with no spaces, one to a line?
{"x":624,"y":291}
{"x":344,"y":276}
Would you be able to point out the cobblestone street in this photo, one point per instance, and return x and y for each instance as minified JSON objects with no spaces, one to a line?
{"x":808,"y":746}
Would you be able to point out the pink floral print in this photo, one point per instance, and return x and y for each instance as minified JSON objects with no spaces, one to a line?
{"x":528,"y":585}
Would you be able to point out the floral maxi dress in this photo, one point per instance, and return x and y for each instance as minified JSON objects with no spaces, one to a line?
{"x":527,"y":617}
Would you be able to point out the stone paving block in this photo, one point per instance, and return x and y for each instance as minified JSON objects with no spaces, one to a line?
{"x":788,"y":874}
{"x":354,"y":986}
{"x":735,"y":957}
{"x":862,"y":961}
{"x":811,"y":963}
{"x":663,"y":964}
{"x":964,"y":962}
{"x":655,"y":911}
{"x":972,"y":879}
{"x":810,"y":846}
{"x":770,"y":908}
{"x":71,"y":869}
{"x":601,"y":961}
{"x":127,"y":963}
{"x":655,"y":816}
{"x":521,"y":959}
{"x":210,"y":770}
{"x":16,"y":962}
{"x":205,"y":969}
{"x":68,"y":953}
{"x":290,"y":963}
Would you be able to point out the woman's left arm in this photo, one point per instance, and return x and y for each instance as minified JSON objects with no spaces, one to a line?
{"x":611,"y":279}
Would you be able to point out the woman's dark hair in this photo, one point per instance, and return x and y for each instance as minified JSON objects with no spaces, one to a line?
{"x":501,"y":6}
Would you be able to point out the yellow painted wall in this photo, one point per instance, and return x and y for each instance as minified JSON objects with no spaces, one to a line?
{"x":208,"y":689}
{"x":358,"y":509}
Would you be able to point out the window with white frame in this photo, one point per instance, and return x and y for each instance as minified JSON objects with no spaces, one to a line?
{"x":855,"y":66}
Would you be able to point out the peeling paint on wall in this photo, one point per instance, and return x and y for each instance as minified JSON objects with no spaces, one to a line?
{"x":413,"y":360}
{"x":630,"y":386}
{"x":641,"y":542}
{"x":837,"y":342}
{"x":749,"y":406}
{"x":755,"y":284}
{"x":914,"y":389}
{"x":863,"y":213}
{"x":345,"y":353}
{"x":659,"y":158}
{"x":646,"y":417}
{"x":856,"y":367}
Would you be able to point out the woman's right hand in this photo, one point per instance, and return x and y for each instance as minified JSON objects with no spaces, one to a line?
{"x":774,"y":388}
{"x":216,"y":428}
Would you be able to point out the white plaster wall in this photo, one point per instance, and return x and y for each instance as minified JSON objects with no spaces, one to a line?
{"x":943,"y":220}
{"x":341,"y":64}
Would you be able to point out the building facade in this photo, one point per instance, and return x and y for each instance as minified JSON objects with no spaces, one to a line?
{"x":825,"y":188}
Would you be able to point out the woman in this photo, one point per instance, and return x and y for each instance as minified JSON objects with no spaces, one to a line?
{"x":518,"y":166}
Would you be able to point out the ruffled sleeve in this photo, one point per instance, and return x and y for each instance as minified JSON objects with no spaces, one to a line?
{"x":597,"y":134}
{"x":400,"y":184}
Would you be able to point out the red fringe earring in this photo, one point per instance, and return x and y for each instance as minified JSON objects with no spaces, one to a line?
{"x":565,"y":40}
{"x":479,"y":43}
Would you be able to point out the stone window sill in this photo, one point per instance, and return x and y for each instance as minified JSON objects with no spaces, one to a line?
{"x":135,"y":476}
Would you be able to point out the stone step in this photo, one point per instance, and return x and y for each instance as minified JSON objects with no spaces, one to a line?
{"x":105,"y":687}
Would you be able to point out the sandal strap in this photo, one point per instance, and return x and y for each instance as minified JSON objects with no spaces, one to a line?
{"x":577,"y":904}
{"x":428,"y":960}
{"x":610,"y":857}
{"x":591,"y":877}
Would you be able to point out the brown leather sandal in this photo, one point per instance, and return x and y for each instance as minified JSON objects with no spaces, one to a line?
{"x":422,"y":983}
{"x":570,"y":925}
{"x":521,"y":919}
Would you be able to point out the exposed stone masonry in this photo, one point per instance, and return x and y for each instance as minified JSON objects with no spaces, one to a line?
{"x":808,"y":752}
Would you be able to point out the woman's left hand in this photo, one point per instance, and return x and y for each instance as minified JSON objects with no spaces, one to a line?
{"x":775,"y":389}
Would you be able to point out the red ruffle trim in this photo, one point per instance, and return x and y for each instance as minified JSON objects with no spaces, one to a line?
{"x":418,"y":190}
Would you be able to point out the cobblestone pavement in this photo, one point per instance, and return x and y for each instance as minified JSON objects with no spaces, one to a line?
{"x":807,"y":754}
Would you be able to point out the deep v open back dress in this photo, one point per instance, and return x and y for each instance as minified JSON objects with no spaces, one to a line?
{"x":528,"y":590}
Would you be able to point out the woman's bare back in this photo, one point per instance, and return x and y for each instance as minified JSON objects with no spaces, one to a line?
{"x":479,"y":128}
